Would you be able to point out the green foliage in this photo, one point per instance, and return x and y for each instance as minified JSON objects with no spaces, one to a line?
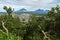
{"x":32,"y":30}
{"x":8,"y":10}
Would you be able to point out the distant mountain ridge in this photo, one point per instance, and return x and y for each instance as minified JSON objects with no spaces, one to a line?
{"x":38,"y":11}
{"x":41,"y":11}
{"x":23,"y":10}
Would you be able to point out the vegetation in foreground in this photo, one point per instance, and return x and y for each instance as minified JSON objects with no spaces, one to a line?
{"x":38,"y":28}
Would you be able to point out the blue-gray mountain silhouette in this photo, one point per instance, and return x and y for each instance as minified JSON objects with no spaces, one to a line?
{"x":38,"y":11}
{"x":41,"y":11}
{"x":22,"y":10}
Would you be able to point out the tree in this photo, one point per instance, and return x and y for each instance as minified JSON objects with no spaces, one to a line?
{"x":8,"y":10}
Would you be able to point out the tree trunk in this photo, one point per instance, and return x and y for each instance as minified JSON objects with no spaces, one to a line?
{"x":45,"y":35}
{"x":5,"y":29}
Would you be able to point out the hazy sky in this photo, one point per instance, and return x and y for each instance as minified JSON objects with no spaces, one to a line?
{"x":29,"y":4}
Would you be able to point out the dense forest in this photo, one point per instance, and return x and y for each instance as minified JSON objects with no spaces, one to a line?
{"x":38,"y":28}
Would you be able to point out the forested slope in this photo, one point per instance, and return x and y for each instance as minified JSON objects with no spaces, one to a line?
{"x":38,"y":28}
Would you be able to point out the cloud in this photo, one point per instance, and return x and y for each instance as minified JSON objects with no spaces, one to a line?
{"x":29,"y":4}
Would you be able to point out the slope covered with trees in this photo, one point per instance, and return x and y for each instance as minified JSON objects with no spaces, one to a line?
{"x":38,"y":28}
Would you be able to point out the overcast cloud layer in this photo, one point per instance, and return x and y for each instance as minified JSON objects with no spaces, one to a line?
{"x":29,"y":4}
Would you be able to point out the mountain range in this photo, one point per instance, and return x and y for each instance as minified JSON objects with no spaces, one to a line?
{"x":38,"y":11}
{"x":23,"y":10}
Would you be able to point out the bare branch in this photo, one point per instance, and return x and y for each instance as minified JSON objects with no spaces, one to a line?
{"x":2,"y":32}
